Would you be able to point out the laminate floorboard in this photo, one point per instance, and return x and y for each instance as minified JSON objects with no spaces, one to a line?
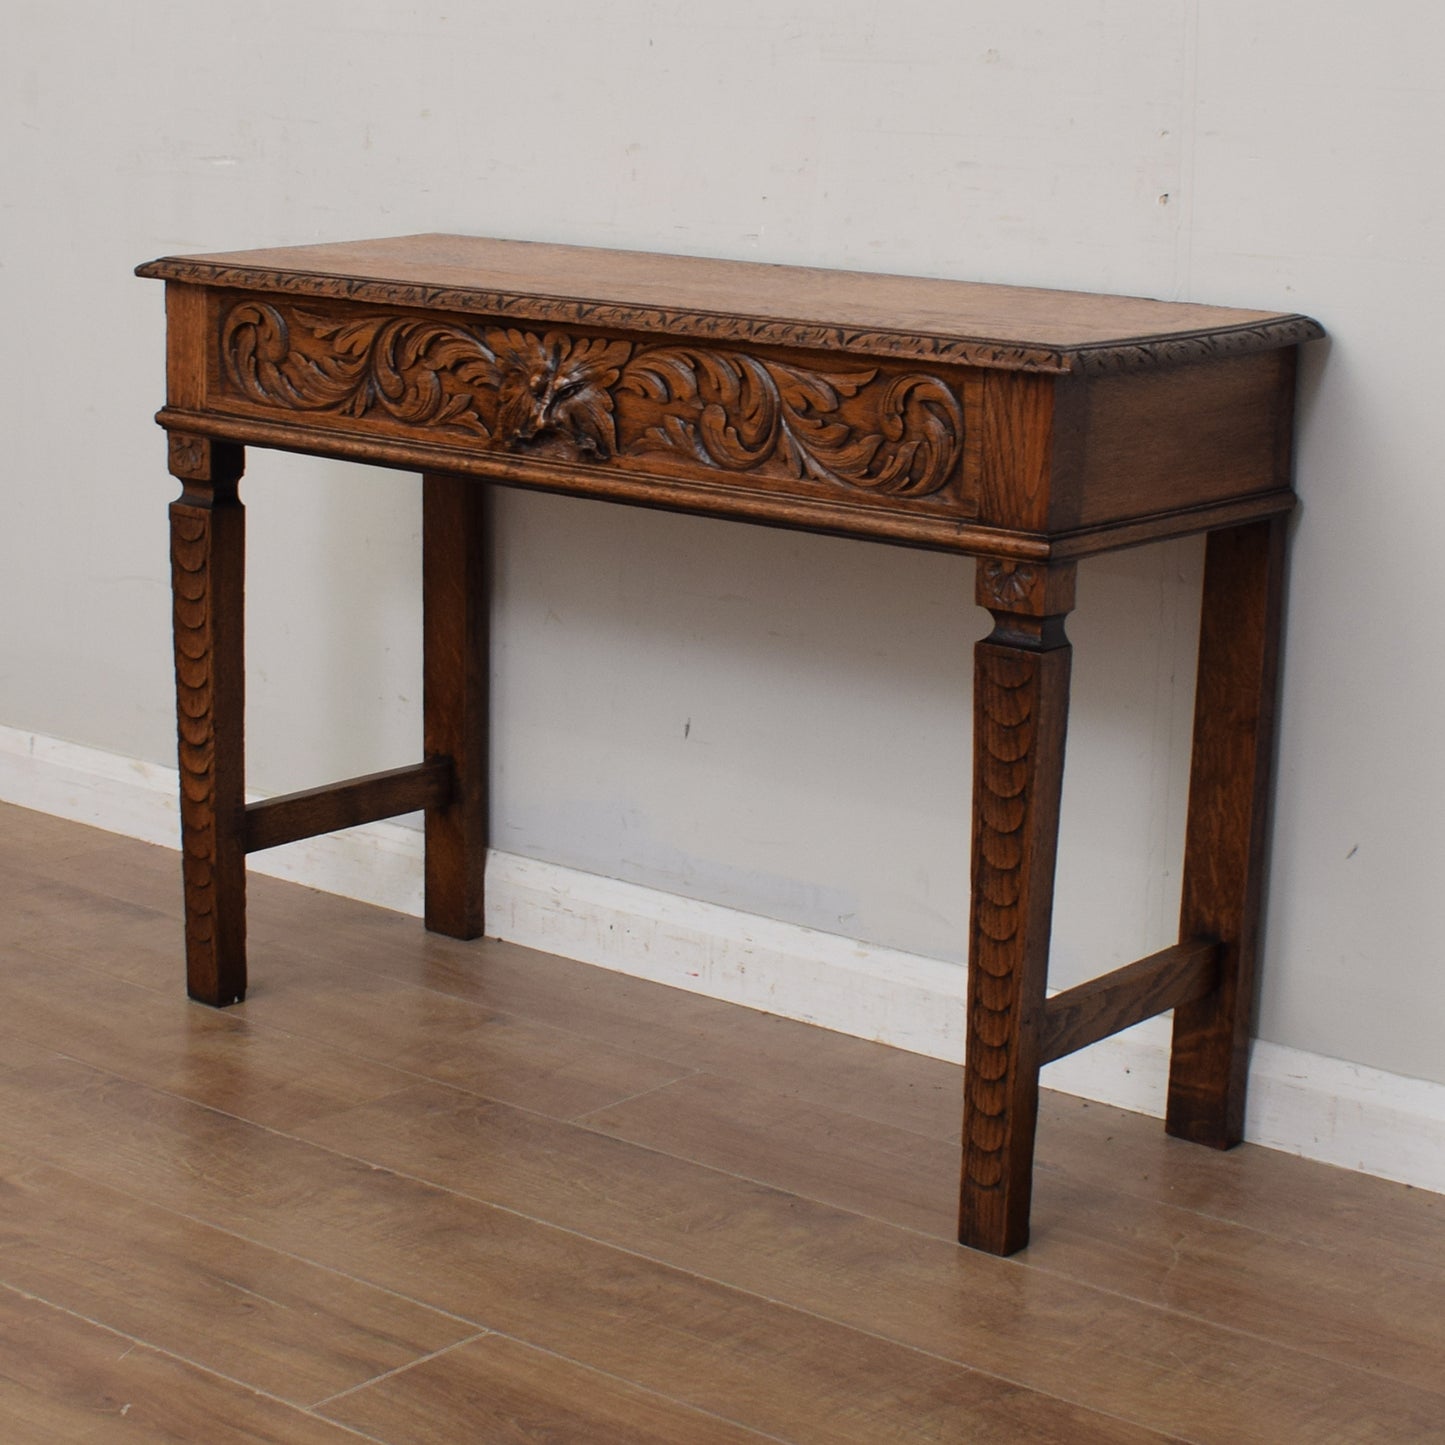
{"x":1381,"y":1315}
{"x":512,"y":1394}
{"x":67,"y":1381}
{"x":287,"y":1327}
{"x":341,"y":939}
{"x":416,"y":1190}
{"x":704,"y":1343}
{"x":1047,"y":1332}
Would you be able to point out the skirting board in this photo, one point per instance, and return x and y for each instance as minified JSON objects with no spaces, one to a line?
{"x":1303,"y":1103}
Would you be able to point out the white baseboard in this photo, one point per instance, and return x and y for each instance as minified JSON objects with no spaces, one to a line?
{"x":1303,"y":1103}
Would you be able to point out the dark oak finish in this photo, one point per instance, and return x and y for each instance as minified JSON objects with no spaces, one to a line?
{"x":1114,"y":1001}
{"x":897,"y":408}
{"x":1012,"y":327}
{"x":1227,"y":830}
{"x":1020,"y":708}
{"x":1028,"y":428}
{"x":455,"y":600}
{"x":208,"y":563}
{"x":345,"y":805}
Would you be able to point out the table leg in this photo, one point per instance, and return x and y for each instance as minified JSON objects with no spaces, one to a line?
{"x":1021,"y":698}
{"x":456,"y":602}
{"x":1228,"y":821}
{"x":208,"y":545}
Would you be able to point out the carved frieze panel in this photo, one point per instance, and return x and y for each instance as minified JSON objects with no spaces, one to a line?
{"x":750,"y":417}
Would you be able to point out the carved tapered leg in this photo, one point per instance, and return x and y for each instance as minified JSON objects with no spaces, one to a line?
{"x":1229,"y":791}
{"x":208,"y":540}
{"x":456,"y":600}
{"x":1021,"y":699}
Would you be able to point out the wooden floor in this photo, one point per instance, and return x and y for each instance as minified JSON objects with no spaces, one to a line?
{"x":421,"y":1191}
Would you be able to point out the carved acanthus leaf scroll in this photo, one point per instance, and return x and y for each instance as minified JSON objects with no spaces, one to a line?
{"x":398,"y":365}
{"x":593,"y":398}
{"x":735,"y":411}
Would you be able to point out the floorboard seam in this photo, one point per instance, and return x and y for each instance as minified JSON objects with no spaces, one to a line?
{"x":581,"y":1119}
{"x":155,"y":1349}
{"x":641,"y":1388}
{"x":408,"y":1077}
{"x":245,"y":1239}
{"x":401,"y":1369}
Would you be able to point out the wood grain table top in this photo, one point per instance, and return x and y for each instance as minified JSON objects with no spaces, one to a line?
{"x":1012,"y":327}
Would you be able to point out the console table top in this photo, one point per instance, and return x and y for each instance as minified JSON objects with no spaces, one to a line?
{"x":1015,"y":328}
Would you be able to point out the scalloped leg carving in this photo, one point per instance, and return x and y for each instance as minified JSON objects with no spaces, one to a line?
{"x":455,"y":605}
{"x":1021,"y":698}
{"x":207,"y":579}
{"x":1227,"y":831}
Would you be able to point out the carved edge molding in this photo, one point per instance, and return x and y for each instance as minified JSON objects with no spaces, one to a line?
{"x":1090,"y":361}
{"x":597,"y":397}
{"x":1181,"y":350}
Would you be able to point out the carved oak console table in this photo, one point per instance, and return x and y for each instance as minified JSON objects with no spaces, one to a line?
{"x":1025,"y":428}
